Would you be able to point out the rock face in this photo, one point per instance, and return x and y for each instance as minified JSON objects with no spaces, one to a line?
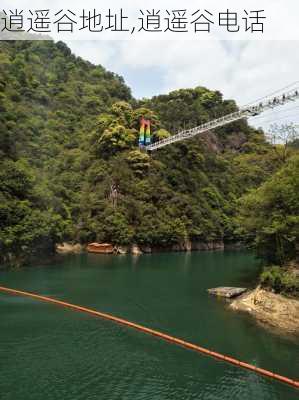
{"x":233,"y":142}
{"x":185,"y":245}
{"x":135,"y":250}
{"x":228,"y":292}
{"x":270,"y":308}
{"x":108,"y":248}
{"x":208,"y":246}
{"x":121,"y":249}
{"x":101,"y":248}
{"x":146,"y":249}
{"x":188,"y":245}
{"x":69,"y":248}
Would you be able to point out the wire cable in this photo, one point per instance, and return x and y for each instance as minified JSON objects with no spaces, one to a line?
{"x":271,"y":94}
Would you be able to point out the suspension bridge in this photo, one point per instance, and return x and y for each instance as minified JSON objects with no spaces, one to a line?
{"x":245,"y":112}
{"x":248,"y":111}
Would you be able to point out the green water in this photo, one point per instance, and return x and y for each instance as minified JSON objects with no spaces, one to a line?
{"x":47,"y":352}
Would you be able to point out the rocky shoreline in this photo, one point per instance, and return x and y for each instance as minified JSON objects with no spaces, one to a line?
{"x":140,"y":249}
{"x":272,"y":309}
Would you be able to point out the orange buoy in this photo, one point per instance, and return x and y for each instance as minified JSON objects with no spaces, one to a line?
{"x":158,"y":334}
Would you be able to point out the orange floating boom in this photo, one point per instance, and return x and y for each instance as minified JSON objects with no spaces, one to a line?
{"x":158,"y":334}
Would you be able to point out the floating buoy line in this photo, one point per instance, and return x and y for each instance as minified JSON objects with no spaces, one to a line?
{"x":155,"y":333}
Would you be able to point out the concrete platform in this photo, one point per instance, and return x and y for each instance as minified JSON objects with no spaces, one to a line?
{"x":227,"y":292}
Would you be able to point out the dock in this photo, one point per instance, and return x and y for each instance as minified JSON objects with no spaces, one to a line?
{"x":227,"y":292}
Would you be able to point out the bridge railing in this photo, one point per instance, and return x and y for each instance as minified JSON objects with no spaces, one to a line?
{"x":250,"y":111}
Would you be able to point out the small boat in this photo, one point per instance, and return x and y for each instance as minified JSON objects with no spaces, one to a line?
{"x":101,"y":248}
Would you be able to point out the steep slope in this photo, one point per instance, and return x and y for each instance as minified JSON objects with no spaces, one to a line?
{"x":71,"y":168}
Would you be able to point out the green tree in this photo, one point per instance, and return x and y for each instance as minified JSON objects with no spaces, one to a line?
{"x":269,"y":216}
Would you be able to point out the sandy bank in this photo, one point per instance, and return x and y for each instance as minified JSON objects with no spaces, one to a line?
{"x":270,"y":308}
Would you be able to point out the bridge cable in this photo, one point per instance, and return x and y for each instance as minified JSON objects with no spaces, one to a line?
{"x":270,"y":94}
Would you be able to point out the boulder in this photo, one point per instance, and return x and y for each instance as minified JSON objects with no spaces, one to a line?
{"x":69,"y":248}
{"x":135,"y":250}
{"x":273,"y":309}
{"x":121,"y":249}
{"x":227,"y":292}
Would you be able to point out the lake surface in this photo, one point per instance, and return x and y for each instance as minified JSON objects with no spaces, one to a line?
{"x":49,"y":353}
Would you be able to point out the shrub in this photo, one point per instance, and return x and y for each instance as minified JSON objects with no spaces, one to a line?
{"x":280,"y":280}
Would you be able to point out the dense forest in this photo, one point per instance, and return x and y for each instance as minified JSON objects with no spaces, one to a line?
{"x":69,"y":134}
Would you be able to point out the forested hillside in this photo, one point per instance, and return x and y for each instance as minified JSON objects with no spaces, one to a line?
{"x":70,"y":167}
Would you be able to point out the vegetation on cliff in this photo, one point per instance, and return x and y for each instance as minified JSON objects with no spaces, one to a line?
{"x":269,"y":218}
{"x":283,"y":280}
{"x":70,"y":167}
{"x":269,"y":215}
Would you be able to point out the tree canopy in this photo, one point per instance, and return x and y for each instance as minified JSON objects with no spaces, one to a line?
{"x":269,"y":215}
{"x":71,"y":168}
